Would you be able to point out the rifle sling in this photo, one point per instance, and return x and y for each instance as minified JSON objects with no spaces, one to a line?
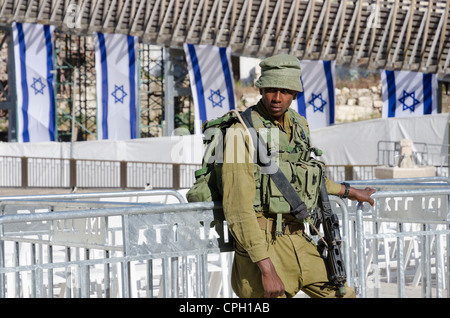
{"x":278,"y":177}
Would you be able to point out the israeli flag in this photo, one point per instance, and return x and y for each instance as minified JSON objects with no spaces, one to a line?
{"x":116,"y":66}
{"x":34,"y":70}
{"x":211,"y":78}
{"x":317,"y":101}
{"x":408,"y":93}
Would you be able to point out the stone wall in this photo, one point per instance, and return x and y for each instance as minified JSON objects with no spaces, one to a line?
{"x":352,"y":104}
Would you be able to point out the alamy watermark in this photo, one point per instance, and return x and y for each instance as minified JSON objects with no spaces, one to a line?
{"x":73,"y":17}
{"x":242,"y":146}
{"x":374,"y":21}
{"x":373,"y":278}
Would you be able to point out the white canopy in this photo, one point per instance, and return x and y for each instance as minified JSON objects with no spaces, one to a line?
{"x":351,"y":143}
{"x":356,"y":143}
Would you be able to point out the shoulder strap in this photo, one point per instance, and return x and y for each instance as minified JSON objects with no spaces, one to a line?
{"x":223,"y":121}
{"x":298,"y":207}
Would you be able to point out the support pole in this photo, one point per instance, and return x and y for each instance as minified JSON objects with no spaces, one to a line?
{"x":169,"y":104}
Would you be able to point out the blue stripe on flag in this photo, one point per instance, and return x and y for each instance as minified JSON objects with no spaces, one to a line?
{"x":301,"y":104}
{"x":392,"y":98}
{"x":427,"y":94}
{"x":132,"y":75}
{"x":198,"y":82}
{"x":330,"y":87}
{"x":24,"y":84}
{"x":104,"y":63}
{"x":227,"y":75}
{"x":52,"y":113}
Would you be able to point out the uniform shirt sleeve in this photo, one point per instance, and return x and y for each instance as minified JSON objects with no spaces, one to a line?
{"x":332,"y":187}
{"x":239,"y":190}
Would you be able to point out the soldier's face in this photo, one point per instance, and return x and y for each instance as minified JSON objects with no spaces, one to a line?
{"x":277,"y":101}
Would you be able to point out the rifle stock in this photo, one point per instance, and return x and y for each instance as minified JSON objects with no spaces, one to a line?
{"x":331,"y":251}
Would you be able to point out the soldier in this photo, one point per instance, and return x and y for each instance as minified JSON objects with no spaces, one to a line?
{"x":266,"y":264}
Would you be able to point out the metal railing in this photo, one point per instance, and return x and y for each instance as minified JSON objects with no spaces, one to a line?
{"x":400,"y":246}
{"x":76,"y":246}
{"x":138,"y":244}
{"x":115,"y":245}
{"x":68,"y":173}
{"x":425,"y":154}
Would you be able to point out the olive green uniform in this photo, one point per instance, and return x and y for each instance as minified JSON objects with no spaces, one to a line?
{"x":293,"y":254}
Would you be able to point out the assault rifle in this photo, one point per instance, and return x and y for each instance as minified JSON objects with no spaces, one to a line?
{"x":330,"y":245}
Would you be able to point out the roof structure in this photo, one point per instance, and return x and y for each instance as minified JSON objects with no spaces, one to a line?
{"x":374,"y":34}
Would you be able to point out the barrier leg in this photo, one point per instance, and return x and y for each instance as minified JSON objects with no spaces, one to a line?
{"x":360,"y":246}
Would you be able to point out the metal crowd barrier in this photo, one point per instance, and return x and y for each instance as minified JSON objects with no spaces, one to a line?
{"x":72,"y":246}
{"x":121,"y":245}
{"x":399,"y":248}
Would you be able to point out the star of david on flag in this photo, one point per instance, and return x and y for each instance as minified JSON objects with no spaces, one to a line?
{"x":409,"y":100}
{"x":317,"y":101}
{"x":33,"y":62}
{"x":38,"y":86}
{"x":408,"y":93}
{"x":211,"y":79}
{"x":215,"y":98}
{"x":119,"y":94}
{"x":116,"y":60}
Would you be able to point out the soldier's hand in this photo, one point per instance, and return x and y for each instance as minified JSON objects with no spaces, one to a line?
{"x":272,"y":284}
{"x":362,"y":195}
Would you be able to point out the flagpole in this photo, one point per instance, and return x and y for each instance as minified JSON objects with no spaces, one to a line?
{"x":169,"y":111}
{"x":72,"y":137}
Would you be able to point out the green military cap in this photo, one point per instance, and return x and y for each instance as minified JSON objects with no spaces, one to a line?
{"x":280,"y":71}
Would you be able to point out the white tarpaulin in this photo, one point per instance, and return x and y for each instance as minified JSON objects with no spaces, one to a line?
{"x":342,"y":144}
{"x":356,"y":143}
{"x":178,"y":149}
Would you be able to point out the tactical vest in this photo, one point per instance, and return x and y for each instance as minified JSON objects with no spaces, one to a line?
{"x":295,"y":161}
{"x":293,"y":157}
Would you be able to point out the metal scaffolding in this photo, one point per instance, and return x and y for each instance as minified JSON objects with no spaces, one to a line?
{"x":76,"y":88}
